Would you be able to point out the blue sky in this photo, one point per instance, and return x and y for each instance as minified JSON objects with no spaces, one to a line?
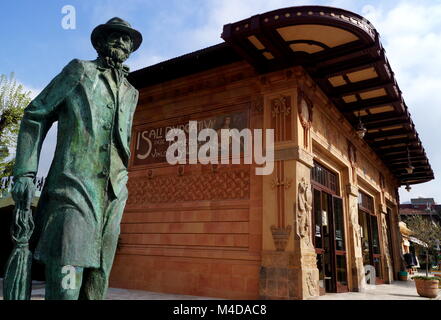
{"x":36,"y":47}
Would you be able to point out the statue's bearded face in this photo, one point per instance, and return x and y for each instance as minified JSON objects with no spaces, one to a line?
{"x":118,"y":46}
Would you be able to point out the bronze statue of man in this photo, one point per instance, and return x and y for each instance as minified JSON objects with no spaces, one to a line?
{"x":80,"y":208}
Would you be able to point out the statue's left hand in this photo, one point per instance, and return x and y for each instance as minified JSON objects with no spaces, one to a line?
{"x":23,"y":192}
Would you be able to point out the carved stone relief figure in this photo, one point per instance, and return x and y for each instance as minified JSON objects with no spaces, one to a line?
{"x":356,"y":226}
{"x":312,"y":285}
{"x":304,"y":211}
{"x":385,"y":237}
{"x":357,"y":235}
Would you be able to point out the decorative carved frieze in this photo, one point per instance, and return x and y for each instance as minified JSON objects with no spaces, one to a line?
{"x":286,"y":183}
{"x":312,"y":284}
{"x":281,"y":118}
{"x":309,"y":260}
{"x":224,"y":185}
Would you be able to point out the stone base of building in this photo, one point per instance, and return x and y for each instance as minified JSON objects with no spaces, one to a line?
{"x":282,"y":278}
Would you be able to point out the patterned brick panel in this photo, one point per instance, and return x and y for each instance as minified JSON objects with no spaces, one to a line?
{"x":227,"y":185}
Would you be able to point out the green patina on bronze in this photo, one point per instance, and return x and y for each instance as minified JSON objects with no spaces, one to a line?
{"x":80,"y":208}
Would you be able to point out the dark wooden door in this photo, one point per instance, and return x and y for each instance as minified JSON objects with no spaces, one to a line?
{"x":329,"y":241}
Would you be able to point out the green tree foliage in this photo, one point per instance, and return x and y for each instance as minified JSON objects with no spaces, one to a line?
{"x":426,"y":230}
{"x":13,"y":100}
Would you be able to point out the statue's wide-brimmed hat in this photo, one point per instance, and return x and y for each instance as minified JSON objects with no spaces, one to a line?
{"x":116,"y":24}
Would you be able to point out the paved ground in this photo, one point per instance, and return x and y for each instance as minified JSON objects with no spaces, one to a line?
{"x":123,"y":294}
{"x":399,"y":290}
{"x":116,"y":294}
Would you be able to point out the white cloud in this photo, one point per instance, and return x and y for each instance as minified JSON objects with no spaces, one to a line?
{"x":221,"y":12}
{"x":411,"y":35}
{"x":143,"y":59}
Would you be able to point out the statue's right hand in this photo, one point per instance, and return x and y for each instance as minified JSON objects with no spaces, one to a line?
{"x":23,"y":192}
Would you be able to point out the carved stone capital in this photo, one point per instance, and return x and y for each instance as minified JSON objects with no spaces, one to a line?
{"x":281,"y":236}
{"x":303,"y":156}
{"x":352,"y":190}
{"x":295,"y":153}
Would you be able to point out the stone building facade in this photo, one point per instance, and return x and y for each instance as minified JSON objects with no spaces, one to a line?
{"x":329,"y":208}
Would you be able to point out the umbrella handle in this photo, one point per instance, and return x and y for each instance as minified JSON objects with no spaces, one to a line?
{"x":23,"y":226}
{"x":23,"y":191}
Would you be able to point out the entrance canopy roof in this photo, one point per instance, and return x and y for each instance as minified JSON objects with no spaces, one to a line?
{"x":341,"y":51}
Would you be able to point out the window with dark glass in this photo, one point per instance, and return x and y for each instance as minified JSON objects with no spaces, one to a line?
{"x":328,"y":232}
{"x":363,"y":221}
{"x":370,"y":242}
{"x":339,"y":224}
{"x":317,"y":220}
{"x":366,"y":202}
{"x":325,"y":177}
{"x":341,"y":269}
{"x":375,"y":240}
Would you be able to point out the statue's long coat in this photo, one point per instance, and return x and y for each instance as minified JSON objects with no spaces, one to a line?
{"x":94,"y":114}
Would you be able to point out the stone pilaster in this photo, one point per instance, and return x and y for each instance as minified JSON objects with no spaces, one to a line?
{"x":277,"y":262}
{"x":354,"y":236}
{"x":307,"y":258}
{"x":387,"y":262}
{"x":290,"y":271}
{"x":289,"y":265}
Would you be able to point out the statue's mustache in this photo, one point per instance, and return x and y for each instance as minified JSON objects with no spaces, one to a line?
{"x":123,"y":48}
